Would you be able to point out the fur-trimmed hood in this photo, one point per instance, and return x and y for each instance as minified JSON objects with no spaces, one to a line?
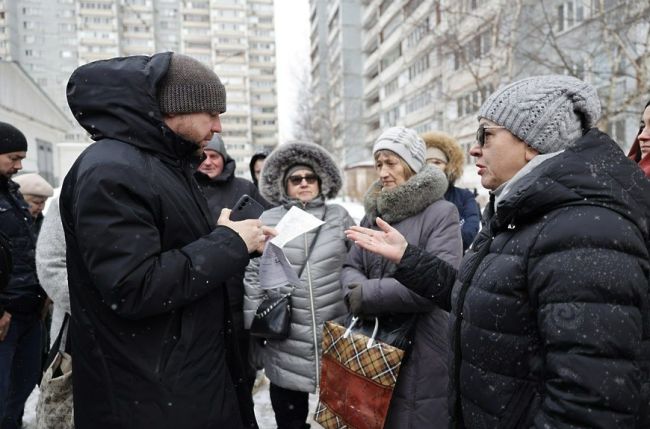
{"x":451,"y":148}
{"x":408,"y":199}
{"x":289,"y":154}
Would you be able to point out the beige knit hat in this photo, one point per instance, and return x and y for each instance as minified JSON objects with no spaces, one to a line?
{"x":33,"y":184}
{"x":190,"y":87}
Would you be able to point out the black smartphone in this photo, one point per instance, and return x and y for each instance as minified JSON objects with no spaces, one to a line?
{"x":246,"y":208}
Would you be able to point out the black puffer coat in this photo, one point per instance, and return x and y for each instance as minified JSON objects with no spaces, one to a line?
{"x":146,"y":265}
{"x":23,"y":293}
{"x":553,"y":328}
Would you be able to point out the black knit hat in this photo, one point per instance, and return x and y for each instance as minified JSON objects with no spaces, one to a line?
{"x":11,"y":139}
{"x":190,"y":87}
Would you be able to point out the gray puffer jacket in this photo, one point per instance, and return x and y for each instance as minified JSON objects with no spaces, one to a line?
{"x":294,"y":363}
{"x":416,"y":209}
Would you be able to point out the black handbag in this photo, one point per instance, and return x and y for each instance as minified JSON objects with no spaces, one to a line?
{"x":272,"y":319}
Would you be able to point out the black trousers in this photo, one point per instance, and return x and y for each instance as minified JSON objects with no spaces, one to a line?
{"x":290,"y":407}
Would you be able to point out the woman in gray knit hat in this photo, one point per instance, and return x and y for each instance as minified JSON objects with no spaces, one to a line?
{"x":550,"y":315}
{"x":409,"y":194}
{"x":301,"y":175}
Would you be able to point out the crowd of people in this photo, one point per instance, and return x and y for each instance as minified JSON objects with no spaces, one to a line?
{"x":534,"y":314}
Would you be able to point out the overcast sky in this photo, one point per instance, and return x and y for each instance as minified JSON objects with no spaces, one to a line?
{"x":292,"y":50}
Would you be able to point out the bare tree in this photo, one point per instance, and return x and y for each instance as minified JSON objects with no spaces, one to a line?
{"x":605,"y":42}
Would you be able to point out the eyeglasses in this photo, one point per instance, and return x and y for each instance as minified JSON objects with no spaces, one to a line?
{"x":297,"y":180}
{"x":480,"y":133}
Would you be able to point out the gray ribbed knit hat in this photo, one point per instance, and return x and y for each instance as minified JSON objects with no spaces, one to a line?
{"x":216,"y":144}
{"x":547,"y":112}
{"x":190,"y":87}
{"x":406,"y":143}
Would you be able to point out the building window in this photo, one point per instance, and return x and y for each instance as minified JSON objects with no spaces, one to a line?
{"x":45,"y":161}
{"x":391,"y":57}
{"x":390,"y":27}
{"x":570,"y":14}
{"x":418,"y":33}
{"x":419,"y":66}
{"x":477,"y":47}
{"x":469,"y":103}
{"x":418,"y":102}
{"x":616,"y":130}
{"x":391,"y":87}
{"x":411,"y":6}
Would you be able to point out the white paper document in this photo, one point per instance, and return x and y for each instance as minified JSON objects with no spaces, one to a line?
{"x":275,"y":269}
{"x":293,"y":224}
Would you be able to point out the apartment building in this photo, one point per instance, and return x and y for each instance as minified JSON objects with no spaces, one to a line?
{"x":430,"y":64}
{"x":319,"y":54}
{"x":336,"y":84}
{"x":235,"y":37}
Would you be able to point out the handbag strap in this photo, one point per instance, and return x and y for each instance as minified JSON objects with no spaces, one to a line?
{"x":63,"y":345}
{"x":313,"y":243}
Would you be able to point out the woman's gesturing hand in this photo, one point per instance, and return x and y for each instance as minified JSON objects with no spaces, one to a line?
{"x":388,"y":242}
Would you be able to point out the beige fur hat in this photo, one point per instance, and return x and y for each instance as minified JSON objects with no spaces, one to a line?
{"x":33,"y":184}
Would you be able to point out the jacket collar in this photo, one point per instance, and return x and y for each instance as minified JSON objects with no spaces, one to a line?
{"x":407,"y":199}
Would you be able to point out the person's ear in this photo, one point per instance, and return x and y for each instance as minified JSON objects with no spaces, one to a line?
{"x":530,"y":153}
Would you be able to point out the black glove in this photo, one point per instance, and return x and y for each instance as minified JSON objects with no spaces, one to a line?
{"x":354,"y":299}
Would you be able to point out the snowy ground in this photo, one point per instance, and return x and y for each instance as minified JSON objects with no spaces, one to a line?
{"x":263,"y":410}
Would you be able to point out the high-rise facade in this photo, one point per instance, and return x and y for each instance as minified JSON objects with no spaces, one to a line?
{"x":336,"y":86}
{"x":430,"y":64}
{"x":235,"y":37}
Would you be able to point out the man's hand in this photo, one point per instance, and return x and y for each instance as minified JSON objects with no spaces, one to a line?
{"x":251,"y":231}
{"x":388,"y":242}
{"x":5,"y":321}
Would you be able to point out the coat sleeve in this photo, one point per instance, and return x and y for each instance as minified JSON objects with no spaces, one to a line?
{"x":471,"y":216}
{"x":50,"y":258}
{"x":390,"y":295}
{"x":427,"y":275}
{"x":588,"y":293}
{"x":120,"y":243}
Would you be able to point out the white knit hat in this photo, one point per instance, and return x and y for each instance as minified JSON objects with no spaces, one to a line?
{"x":33,"y":184}
{"x":406,"y":143}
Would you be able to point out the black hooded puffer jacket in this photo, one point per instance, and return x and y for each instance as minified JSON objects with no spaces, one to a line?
{"x":150,"y":328}
{"x":553,"y":328}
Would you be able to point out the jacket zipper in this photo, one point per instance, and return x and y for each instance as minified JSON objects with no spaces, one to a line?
{"x":313,"y":313}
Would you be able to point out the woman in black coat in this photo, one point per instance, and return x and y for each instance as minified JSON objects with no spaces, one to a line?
{"x":550,"y":317}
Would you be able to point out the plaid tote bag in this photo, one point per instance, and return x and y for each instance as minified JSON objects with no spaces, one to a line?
{"x":358,"y":375}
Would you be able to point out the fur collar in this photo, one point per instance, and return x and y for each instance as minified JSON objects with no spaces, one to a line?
{"x":284,"y":157}
{"x":408,"y":199}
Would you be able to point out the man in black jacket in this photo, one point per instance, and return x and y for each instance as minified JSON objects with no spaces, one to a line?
{"x":150,"y":329}
{"x":216,"y":176}
{"x":255,"y":165}
{"x":22,"y":299}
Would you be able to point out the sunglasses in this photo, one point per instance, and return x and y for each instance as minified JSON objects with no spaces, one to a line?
{"x":480,"y":133}
{"x":297,"y":180}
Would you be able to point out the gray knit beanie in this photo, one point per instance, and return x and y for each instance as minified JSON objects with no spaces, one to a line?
{"x":549,"y":113}
{"x":11,"y":139}
{"x":190,"y":87}
{"x":216,"y":144}
{"x":406,"y":143}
